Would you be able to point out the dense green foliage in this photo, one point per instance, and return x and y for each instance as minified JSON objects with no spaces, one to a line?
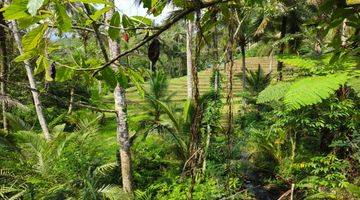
{"x":290,"y":132}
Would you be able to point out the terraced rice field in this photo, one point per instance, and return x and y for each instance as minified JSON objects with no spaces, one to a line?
{"x":177,"y":86}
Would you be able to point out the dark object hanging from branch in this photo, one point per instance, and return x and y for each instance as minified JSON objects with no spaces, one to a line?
{"x":154,"y":52}
{"x":52,"y":74}
{"x":53,"y":71}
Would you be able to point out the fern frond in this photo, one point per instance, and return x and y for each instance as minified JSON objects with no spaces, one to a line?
{"x":142,"y":195}
{"x":354,"y":83}
{"x":304,"y":92}
{"x":9,"y":193}
{"x":113,"y":192}
{"x":298,"y":61}
{"x":105,"y":168}
{"x":273,"y":92}
{"x":312,"y":90}
{"x":17,"y":195}
{"x":5,"y":190}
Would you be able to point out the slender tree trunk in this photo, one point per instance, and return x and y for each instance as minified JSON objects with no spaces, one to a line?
{"x":229,"y":98}
{"x":216,"y":57}
{"x":34,"y":91}
{"x":32,"y":83}
{"x":206,"y":149}
{"x":282,"y":46}
{"x":122,"y":126}
{"x":344,"y":32}
{"x":189,"y":62}
{"x":71,"y":102}
{"x":243,"y":68}
{"x":98,"y":38}
{"x":123,"y":138}
{"x":4,"y":67}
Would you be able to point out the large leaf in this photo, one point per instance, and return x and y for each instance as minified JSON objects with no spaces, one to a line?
{"x":312,"y":90}
{"x":137,"y":80}
{"x":109,"y":76}
{"x":16,"y":10}
{"x":273,"y":92}
{"x":40,"y":66}
{"x":32,"y":39}
{"x":114,"y":33}
{"x":142,"y":20}
{"x":64,"y":74}
{"x":62,"y":18}
{"x":25,"y":22}
{"x":25,"y":56}
{"x":97,"y":14}
{"x":34,"y":5}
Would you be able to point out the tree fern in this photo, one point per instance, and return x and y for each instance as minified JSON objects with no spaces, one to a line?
{"x":297,"y":61}
{"x":312,"y":90}
{"x":313,"y":62}
{"x":273,"y":92}
{"x":304,"y":92}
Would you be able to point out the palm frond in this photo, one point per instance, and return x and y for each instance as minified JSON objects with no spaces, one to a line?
{"x":105,"y":168}
{"x":16,"y":123}
{"x":10,"y":101}
{"x":11,"y":193}
{"x":261,"y":28}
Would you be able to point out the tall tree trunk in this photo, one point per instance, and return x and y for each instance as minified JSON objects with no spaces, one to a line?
{"x":189,"y":62}
{"x":34,"y":91}
{"x":121,"y":116}
{"x":4,"y":66}
{"x":120,"y":108}
{"x":195,"y":138}
{"x":243,"y":68}
{"x":229,"y":97}
{"x":282,"y":46}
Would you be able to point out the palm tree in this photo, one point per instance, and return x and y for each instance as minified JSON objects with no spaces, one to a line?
{"x":257,"y":80}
